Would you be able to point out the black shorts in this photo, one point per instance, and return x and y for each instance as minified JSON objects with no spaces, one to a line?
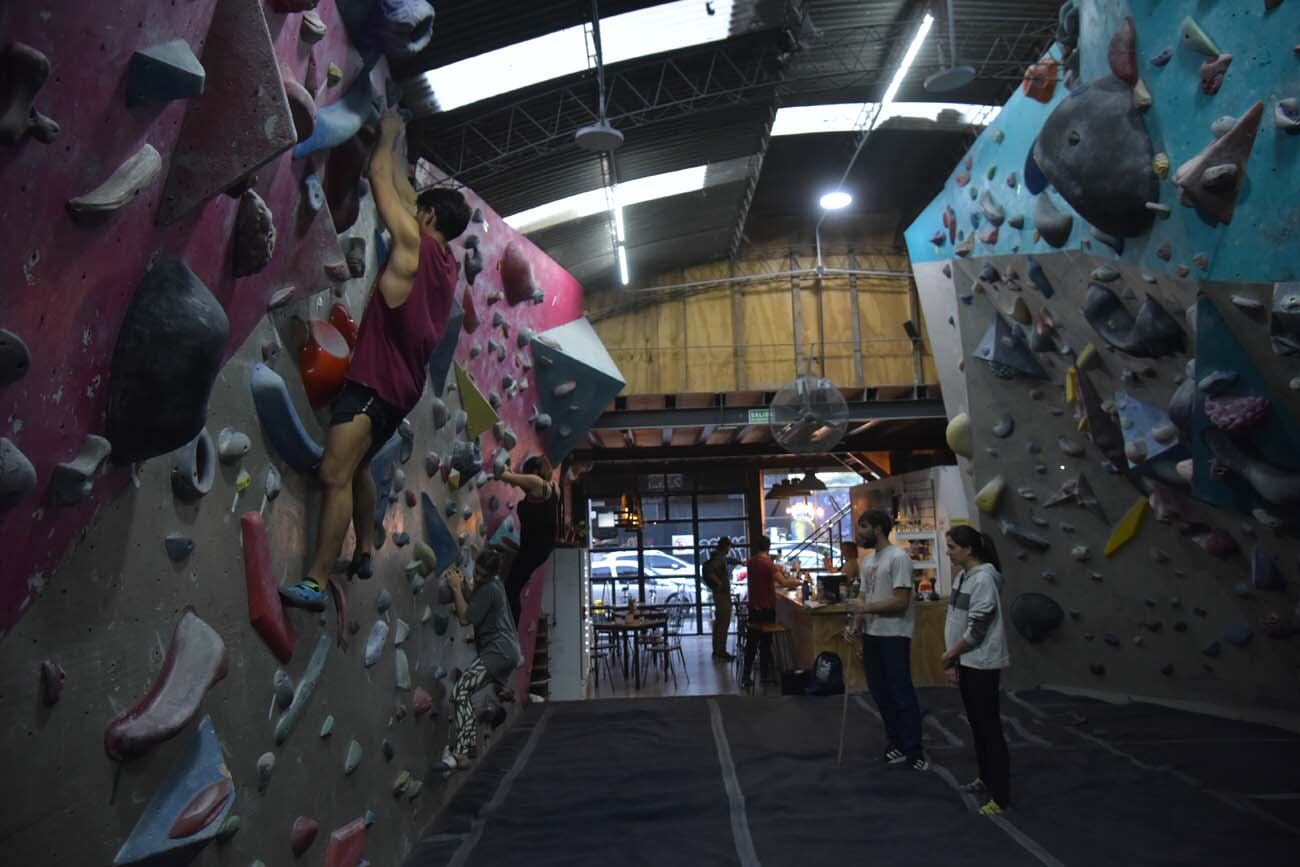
{"x":357,"y":399}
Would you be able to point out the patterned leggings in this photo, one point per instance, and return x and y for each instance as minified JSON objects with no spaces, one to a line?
{"x":471,"y":681}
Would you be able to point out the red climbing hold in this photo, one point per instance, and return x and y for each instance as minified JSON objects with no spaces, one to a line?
{"x":196,"y":659}
{"x":1040,"y":80}
{"x":264,"y":609}
{"x":303,"y":834}
{"x":202,"y":809}
{"x":1123,"y":53}
{"x":347,"y":844}
{"x":421,"y":701}
{"x":517,"y":274}
{"x":323,"y":362}
{"x":341,"y":319}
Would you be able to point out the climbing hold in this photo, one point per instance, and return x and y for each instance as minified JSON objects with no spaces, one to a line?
{"x":302,"y":108}
{"x":1122,"y":53}
{"x":23,"y":72}
{"x":1142,"y":99}
{"x":400,"y":632}
{"x":1212,"y":649}
{"x":17,"y":475}
{"x":1008,"y":356}
{"x":282,"y":687}
{"x":1155,"y":333}
{"x":1039,"y":277}
{"x":1236,"y":413}
{"x":1210,"y":180}
{"x":15,"y":359}
{"x":958,"y":435}
{"x":1052,"y":223}
{"x":280,"y":421}
{"x":195,"y":660}
{"x":992,"y":211}
{"x":52,"y":678}
{"x":1040,"y":79}
{"x":254,"y":241}
{"x":306,"y":686}
{"x":402,"y":668}
{"x":1105,"y":274}
{"x":340,"y":121}
{"x":72,"y":481}
{"x":178,"y":546}
{"x":1286,"y":115}
{"x":1196,"y":39}
{"x":383,"y":601}
{"x":265,"y":768}
{"x":1020,"y":312}
{"x":1127,"y":528}
{"x":1030,"y":540}
{"x":302,"y":835}
{"x":375,"y":642}
{"x":163,"y":72}
{"x":264,"y":610}
{"x":1036,"y":616}
{"x":1004,"y":426}
{"x":166,"y":359}
{"x":121,"y":187}
{"x":228,"y":830}
{"x":1266,"y":572}
{"x":987,"y":498}
{"x":516,"y":274}
{"x":232,"y":445}
{"x":1080,"y":553}
{"x":1213,"y":71}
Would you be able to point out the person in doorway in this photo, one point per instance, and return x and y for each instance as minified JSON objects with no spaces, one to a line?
{"x":976,"y":641}
{"x":884,"y":608}
{"x":717,"y":577}
{"x":494,"y":638}
{"x":763,"y":577}
{"x":539,"y":517}
{"x":404,"y":319}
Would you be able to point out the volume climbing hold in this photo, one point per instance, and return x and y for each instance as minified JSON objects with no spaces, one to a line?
{"x":73,"y":480}
{"x":166,"y":359}
{"x":23,"y":72}
{"x":17,"y":475}
{"x":121,"y":187}
{"x":1211,"y":180}
{"x":306,"y":686}
{"x":280,"y":420}
{"x":178,"y":546}
{"x":195,"y":660}
{"x":163,"y":72}
{"x":1036,"y":616}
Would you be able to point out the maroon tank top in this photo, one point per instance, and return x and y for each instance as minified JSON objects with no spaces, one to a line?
{"x":394,"y":343}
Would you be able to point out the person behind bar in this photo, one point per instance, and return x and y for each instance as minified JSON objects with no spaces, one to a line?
{"x":884,"y":607}
{"x":763,"y":578}
{"x":976,"y":638}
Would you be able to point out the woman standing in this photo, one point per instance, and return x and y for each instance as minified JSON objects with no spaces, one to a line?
{"x":495,"y":639}
{"x":977,"y":652}
{"x":539,"y":517}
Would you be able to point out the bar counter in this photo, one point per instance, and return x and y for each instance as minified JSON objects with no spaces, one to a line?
{"x":818,"y":626}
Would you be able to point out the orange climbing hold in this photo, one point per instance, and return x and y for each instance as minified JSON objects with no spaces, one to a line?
{"x":324,"y":362}
{"x":1040,"y":80}
{"x":341,"y":319}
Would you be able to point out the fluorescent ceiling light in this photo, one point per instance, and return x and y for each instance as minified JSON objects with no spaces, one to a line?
{"x":598,"y":201}
{"x":835,"y":200}
{"x":665,"y":27}
{"x":912,"y":50}
{"x":622,"y":263}
{"x":843,"y":117}
{"x":618,"y":219}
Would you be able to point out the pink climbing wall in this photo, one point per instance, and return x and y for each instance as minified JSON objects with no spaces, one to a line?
{"x":67,"y":286}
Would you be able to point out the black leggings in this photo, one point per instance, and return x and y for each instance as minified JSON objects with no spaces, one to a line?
{"x":521,"y":570}
{"x":979,"y":692}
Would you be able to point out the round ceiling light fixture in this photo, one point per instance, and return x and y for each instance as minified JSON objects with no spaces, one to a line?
{"x":835,"y":200}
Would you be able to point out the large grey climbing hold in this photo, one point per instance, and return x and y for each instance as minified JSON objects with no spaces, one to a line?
{"x":1095,"y":150}
{"x":73,"y":480}
{"x":282,"y":686}
{"x":121,"y":187}
{"x":167,"y":356}
{"x":400,"y":631}
{"x":265,"y":767}
{"x":353,"y":757}
{"x":1036,"y":616}
{"x":1051,"y":222}
{"x":194,"y":467}
{"x":178,"y":546}
{"x":23,"y":72}
{"x":254,"y":241}
{"x":15,"y":360}
{"x":232,"y":445}
{"x":1017,"y":533}
{"x":1153,"y":334}
{"x":17,"y":475}
{"x":375,"y":642}
{"x":164,"y":72}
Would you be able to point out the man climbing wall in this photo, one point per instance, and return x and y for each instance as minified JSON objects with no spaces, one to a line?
{"x":404,"y":319}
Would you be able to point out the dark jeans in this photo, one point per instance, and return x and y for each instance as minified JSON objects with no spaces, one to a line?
{"x":763,"y":644}
{"x":887,"y":663}
{"x":523,"y":567}
{"x":979,"y":692}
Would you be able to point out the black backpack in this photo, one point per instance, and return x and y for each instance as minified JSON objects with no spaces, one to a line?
{"x":828,"y":675}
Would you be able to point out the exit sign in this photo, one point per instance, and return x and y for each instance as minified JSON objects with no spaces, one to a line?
{"x":760,"y":416}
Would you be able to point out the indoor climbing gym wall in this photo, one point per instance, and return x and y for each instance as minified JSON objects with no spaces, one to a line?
{"x":195,"y":242}
{"x":1108,"y":282}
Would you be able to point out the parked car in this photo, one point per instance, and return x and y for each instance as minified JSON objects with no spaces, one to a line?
{"x":666,"y":577}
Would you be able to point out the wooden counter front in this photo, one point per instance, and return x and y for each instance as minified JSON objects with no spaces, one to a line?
{"x":816,"y":627}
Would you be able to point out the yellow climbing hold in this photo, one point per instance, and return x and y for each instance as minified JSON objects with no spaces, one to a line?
{"x":242,"y":481}
{"x":987,"y":499}
{"x":958,"y":435}
{"x":481,"y":414}
{"x":1087,"y":358}
{"x":1072,"y":382}
{"x":1127,"y":527}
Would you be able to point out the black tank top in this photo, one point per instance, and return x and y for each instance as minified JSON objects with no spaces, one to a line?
{"x":538,"y":523}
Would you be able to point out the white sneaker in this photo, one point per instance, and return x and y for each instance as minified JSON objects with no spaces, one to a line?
{"x":448,"y":760}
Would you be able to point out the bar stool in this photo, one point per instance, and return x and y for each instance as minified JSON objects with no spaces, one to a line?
{"x":782,"y":649}
{"x":742,"y":634}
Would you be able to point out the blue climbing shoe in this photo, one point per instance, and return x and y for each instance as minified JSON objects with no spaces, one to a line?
{"x":303,"y":595}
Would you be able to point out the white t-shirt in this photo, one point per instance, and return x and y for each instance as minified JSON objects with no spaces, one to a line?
{"x":886,"y":570}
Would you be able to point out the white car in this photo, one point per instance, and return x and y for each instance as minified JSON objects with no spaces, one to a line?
{"x":665,"y":576}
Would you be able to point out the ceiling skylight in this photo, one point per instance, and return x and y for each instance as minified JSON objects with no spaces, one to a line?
{"x":666,"y":27}
{"x":842,"y":117}
{"x":598,"y":201}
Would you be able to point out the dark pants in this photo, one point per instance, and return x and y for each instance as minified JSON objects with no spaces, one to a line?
{"x":523,"y":567}
{"x":979,"y":692}
{"x":760,"y":642}
{"x":887,"y":663}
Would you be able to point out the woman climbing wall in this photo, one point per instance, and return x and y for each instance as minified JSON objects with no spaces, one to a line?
{"x":497,"y":643}
{"x":538,"y":522}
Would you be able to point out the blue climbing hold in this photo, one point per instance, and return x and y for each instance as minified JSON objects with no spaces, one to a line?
{"x":438,"y":536}
{"x":381,"y":468}
{"x":1035,"y":180}
{"x":441,"y":357}
{"x":340,"y":121}
{"x":280,"y":421}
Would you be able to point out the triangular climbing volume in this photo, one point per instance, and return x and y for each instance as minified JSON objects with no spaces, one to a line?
{"x":481,"y":414}
{"x":440,"y":359}
{"x":576,"y":380}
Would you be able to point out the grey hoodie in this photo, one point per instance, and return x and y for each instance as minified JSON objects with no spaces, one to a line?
{"x":975,"y":613}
